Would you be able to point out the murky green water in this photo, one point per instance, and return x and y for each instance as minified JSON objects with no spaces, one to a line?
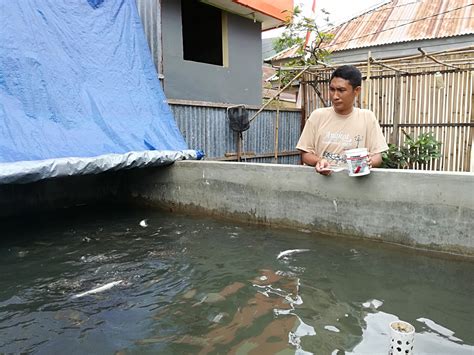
{"x":186,"y":285}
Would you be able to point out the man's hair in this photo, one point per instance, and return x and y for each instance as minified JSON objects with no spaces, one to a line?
{"x":349,"y":73}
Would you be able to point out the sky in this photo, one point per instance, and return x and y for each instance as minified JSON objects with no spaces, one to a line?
{"x":339,"y":10}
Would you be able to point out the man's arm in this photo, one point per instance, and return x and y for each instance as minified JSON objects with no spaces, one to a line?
{"x":321,"y":165}
{"x":377,"y":143}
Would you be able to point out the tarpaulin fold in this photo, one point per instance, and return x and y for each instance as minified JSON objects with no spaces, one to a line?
{"x":77,"y":81}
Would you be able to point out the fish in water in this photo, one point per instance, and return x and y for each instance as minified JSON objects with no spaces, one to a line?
{"x":290,"y":251}
{"x":98,"y":289}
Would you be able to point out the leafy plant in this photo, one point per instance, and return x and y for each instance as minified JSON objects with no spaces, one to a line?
{"x":296,"y":27}
{"x":413,"y":151}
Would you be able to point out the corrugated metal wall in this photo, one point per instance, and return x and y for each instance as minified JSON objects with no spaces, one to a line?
{"x":207,"y":128}
{"x":150,"y":14}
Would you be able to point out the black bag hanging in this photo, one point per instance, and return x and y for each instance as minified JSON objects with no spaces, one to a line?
{"x":238,"y":118}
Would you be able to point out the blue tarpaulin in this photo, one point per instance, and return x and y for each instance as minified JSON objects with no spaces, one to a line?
{"x":77,"y":81}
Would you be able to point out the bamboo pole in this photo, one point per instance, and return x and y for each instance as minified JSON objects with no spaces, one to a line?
{"x":445,"y":130}
{"x":457,"y":118}
{"x":436,"y":60}
{"x":459,"y":130}
{"x":277,"y":121}
{"x":372,"y":60}
{"x":466,"y":113}
{"x":470,"y":135}
{"x":431,"y":110}
{"x":304,"y":106}
{"x":450,"y":113}
{"x":438,"y":120}
{"x":278,"y":93}
{"x":367,"y":83}
{"x":401,"y":62}
{"x":396,"y":110}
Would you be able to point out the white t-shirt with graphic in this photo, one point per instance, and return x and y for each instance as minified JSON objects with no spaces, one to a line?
{"x":328,"y":134}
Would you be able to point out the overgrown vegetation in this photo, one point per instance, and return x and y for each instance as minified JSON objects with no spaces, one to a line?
{"x":413,"y":152}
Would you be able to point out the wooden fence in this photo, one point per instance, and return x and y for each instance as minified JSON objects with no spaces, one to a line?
{"x":418,"y":94}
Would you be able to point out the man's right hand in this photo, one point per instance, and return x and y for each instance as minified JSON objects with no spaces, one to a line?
{"x":322,"y":167}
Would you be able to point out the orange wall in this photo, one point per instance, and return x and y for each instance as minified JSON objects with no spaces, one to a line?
{"x":273,"y":8}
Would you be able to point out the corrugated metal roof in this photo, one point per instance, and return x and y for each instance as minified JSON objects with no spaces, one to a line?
{"x":405,"y":20}
{"x":286,"y":54}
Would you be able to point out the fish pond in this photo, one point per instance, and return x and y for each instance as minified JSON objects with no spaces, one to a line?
{"x":128,"y":281}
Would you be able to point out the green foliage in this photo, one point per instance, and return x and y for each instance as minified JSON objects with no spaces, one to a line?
{"x":414,"y":151}
{"x":296,"y":28}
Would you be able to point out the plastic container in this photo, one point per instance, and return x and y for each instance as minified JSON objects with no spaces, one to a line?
{"x":402,"y":336}
{"x":357,"y":161}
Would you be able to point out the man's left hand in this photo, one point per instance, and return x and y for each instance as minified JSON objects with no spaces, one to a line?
{"x":374,"y":160}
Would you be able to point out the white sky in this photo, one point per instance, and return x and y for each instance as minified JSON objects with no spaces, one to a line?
{"x":340,"y":11}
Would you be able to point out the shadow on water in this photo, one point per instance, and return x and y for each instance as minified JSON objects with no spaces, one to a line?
{"x":108,"y":279}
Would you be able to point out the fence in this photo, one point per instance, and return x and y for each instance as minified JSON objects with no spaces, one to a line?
{"x":417,"y":94}
{"x":205,"y":126}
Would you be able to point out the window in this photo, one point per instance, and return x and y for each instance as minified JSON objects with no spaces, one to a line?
{"x":202,"y":32}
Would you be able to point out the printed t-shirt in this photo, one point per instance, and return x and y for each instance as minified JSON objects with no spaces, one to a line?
{"x":328,"y":134}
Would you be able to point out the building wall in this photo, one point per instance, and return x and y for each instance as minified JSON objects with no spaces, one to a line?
{"x":402,"y":49}
{"x":239,"y":83}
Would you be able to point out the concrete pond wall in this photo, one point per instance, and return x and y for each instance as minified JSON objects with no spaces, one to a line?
{"x":430,"y":210}
{"x":423,"y":209}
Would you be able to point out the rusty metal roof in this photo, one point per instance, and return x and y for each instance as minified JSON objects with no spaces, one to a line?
{"x":286,"y":54}
{"x":403,"y":21}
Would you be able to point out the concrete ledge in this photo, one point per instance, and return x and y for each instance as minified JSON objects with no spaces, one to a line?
{"x":422,"y":209}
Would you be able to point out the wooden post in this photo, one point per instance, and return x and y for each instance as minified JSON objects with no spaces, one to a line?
{"x":396,"y":109}
{"x":239,"y":143}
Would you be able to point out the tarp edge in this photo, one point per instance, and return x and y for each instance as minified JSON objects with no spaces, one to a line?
{"x":24,"y":172}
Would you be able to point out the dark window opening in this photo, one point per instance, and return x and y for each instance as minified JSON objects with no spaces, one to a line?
{"x":202,"y":32}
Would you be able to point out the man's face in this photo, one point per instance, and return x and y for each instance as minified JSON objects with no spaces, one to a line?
{"x":342,"y":95}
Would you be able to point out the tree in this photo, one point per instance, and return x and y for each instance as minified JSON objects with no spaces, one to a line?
{"x":296,"y":27}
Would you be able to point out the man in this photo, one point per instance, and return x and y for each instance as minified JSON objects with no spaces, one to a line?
{"x":331,"y":130}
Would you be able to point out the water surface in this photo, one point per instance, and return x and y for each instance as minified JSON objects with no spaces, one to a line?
{"x":187,"y":285}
